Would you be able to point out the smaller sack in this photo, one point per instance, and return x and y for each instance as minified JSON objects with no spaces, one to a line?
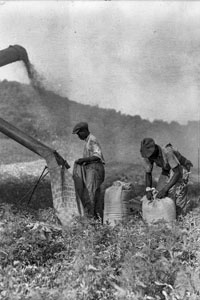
{"x":116,"y":202}
{"x":159,"y":209}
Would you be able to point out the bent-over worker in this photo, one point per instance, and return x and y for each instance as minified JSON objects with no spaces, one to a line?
{"x":89,"y":172}
{"x":174,"y":176}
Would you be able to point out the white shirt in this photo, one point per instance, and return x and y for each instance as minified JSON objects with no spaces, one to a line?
{"x":92,"y":148}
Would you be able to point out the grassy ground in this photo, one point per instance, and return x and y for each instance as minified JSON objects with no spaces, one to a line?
{"x":93,"y":261}
{"x":87,"y":260}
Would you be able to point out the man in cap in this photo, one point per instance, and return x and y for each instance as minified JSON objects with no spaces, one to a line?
{"x":89,"y":172}
{"x":174,"y":176}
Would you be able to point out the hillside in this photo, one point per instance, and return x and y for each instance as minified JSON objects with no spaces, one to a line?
{"x":50,"y":118}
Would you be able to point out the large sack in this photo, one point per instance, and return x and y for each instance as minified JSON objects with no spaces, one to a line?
{"x":79,"y":182}
{"x":116,"y":202}
{"x":158,"y":209}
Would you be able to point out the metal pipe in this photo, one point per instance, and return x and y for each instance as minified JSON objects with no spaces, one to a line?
{"x":24,"y":139}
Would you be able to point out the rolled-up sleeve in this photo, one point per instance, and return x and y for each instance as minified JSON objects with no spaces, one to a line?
{"x":172,"y":159}
{"x":95,"y":148}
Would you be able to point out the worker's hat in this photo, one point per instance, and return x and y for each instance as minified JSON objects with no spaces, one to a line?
{"x":147,"y":148}
{"x":79,"y":126}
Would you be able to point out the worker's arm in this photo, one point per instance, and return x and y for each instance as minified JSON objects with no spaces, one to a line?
{"x":148,"y":179}
{"x":87,"y":160}
{"x":176,"y":176}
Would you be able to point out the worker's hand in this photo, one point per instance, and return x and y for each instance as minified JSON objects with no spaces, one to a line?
{"x":162,"y":193}
{"x":149,"y":195}
{"x":80,"y":161}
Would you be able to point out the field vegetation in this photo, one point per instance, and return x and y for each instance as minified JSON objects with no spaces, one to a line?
{"x":87,"y":260}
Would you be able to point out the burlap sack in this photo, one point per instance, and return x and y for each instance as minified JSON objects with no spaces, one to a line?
{"x":158,"y":209}
{"x":116,"y":202}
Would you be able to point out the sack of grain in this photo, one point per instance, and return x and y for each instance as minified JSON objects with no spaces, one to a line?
{"x":116,"y":202}
{"x":158,"y":209}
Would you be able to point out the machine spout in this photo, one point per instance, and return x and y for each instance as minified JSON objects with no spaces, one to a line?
{"x":12,"y":54}
{"x":18,"y":53}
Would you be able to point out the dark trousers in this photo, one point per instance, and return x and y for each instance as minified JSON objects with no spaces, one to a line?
{"x":88,"y":179}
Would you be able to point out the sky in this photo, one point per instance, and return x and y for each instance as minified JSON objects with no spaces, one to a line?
{"x":138,"y":57}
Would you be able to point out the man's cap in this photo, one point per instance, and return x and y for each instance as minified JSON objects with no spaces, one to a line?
{"x":79,"y":126}
{"x":148,"y":146}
